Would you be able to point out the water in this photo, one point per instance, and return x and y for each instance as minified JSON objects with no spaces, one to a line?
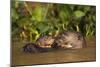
{"x":57,"y":56}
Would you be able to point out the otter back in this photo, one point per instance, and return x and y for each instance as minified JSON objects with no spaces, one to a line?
{"x":73,"y":40}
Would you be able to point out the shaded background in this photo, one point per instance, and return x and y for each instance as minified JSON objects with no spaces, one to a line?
{"x":30,"y":20}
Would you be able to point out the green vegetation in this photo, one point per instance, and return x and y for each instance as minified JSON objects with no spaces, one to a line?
{"x":32,"y":20}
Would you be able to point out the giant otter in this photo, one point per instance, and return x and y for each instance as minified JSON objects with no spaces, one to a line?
{"x":43,"y":44}
{"x":68,"y":39}
{"x":31,"y":47}
{"x":65,"y":40}
{"x":34,"y":48}
{"x":45,"y":41}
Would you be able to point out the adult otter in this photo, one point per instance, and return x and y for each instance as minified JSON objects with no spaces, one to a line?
{"x":72,"y":40}
{"x":45,"y":41}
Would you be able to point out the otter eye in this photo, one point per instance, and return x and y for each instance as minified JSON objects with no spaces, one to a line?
{"x":66,"y":43}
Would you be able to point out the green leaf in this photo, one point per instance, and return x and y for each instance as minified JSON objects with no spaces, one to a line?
{"x":94,"y":18}
{"x":38,"y":13}
{"x":79,"y":14}
{"x":43,"y":27}
{"x":24,"y":22}
{"x":87,"y":8}
{"x":14,"y":14}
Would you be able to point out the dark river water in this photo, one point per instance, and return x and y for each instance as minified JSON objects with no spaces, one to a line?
{"x":58,"y":56}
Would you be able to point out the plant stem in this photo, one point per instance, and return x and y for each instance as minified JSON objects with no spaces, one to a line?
{"x":27,"y":8}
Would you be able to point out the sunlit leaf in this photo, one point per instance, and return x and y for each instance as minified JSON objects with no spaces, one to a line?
{"x":38,"y":13}
{"x":79,"y":14}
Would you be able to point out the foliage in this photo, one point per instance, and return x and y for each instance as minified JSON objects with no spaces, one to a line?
{"x":32,"y":20}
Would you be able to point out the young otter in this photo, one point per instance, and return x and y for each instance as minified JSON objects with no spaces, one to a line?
{"x":33,"y":48}
{"x":45,"y":41}
{"x":72,"y":40}
{"x":43,"y":44}
{"x":30,"y":47}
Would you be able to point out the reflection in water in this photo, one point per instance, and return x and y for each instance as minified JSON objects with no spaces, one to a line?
{"x":57,"y":56}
